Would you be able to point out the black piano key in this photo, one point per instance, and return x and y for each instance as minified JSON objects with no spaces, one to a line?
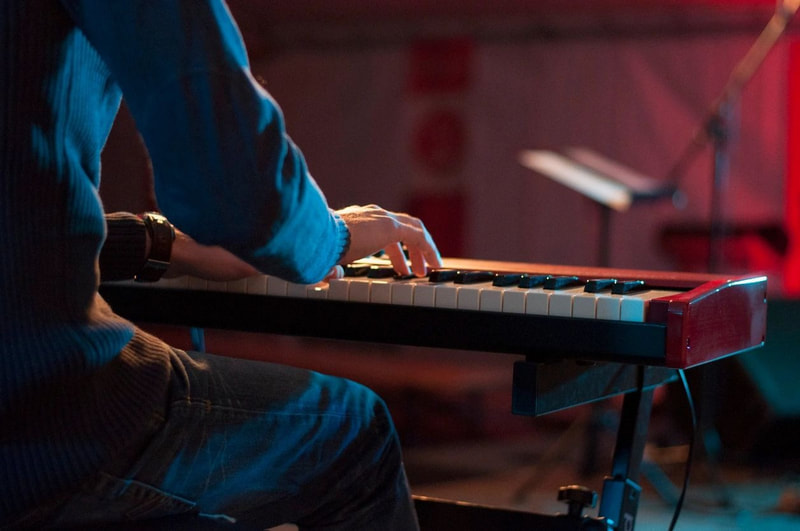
{"x":381,"y":272}
{"x":473,"y":277}
{"x":382,"y":253}
{"x":596,"y":285}
{"x":627,"y":286}
{"x":356,"y":270}
{"x":506,"y":279}
{"x":532,"y":281}
{"x":561,"y":282}
{"x":442,"y":275}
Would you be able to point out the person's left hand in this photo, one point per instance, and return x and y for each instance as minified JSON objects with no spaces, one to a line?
{"x":204,"y":261}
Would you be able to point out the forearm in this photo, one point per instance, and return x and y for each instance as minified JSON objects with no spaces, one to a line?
{"x":225,"y":170}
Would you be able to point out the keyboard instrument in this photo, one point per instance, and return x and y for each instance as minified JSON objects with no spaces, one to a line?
{"x":545,"y":312}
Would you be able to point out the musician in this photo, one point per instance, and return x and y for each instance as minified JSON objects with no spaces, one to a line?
{"x":101,"y":422}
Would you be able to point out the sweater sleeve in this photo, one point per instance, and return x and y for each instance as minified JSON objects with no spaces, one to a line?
{"x":226,"y":172}
{"x":123,"y":253}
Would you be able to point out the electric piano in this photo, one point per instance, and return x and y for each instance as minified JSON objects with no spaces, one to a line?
{"x":585,"y":334}
{"x":666,"y":319}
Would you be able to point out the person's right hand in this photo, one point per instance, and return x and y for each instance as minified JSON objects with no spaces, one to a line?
{"x":373,"y":228}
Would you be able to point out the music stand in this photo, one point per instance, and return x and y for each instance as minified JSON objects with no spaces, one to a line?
{"x":613,"y":186}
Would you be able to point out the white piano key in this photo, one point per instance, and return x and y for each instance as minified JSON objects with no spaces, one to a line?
{"x":277,"y":286}
{"x":217,"y":285}
{"x":584,"y":305}
{"x":560,"y":304}
{"x":468,"y":297}
{"x":256,"y":285}
{"x":608,"y":307}
{"x":633,"y":307}
{"x":181,"y":282}
{"x":514,"y":300}
{"x":491,"y":299}
{"x":425,"y":294}
{"x":381,"y":292}
{"x":317,"y":291}
{"x":338,"y":289}
{"x":359,"y":290}
{"x":198,"y":283}
{"x":236,"y":286}
{"x":537,"y":301}
{"x":446,"y":296}
{"x":403,"y":293}
{"x":296,"y":290}
{"x":562,"y":301}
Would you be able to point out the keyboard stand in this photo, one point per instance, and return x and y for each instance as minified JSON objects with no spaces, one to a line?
{"x":621,"y":491}
{"x":539,"y":388}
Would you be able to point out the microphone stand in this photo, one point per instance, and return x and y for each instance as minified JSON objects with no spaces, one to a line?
{"x":715,"y":129}
{"x":715,"y":126}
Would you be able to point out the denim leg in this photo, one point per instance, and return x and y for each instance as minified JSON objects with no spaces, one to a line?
{"x":261,"y":444}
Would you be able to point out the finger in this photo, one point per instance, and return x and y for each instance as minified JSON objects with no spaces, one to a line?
{"x":432,"y":255}
{"x":418,"y":229}
{"x":418,"y":265}
{"x":421,"y":239}
{"x":395,"y":253}
{"x":336,"y":272}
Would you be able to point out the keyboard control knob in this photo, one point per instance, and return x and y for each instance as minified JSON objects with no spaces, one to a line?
{"x":577,"y":498}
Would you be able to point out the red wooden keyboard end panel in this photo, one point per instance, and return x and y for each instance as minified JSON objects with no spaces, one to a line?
{"x":718,"y":318}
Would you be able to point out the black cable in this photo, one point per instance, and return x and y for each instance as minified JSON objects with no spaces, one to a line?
{"x":689,"y":455}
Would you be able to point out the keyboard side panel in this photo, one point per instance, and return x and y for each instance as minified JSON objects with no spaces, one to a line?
{"x":716,"y":319}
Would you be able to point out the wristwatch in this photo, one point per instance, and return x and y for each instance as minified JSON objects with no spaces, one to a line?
{"x":162,"y":234}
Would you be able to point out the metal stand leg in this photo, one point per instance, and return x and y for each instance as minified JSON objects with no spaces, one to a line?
{"x":538,"y":390}
{"x":604,"y":239}
{"x":621,"y":491}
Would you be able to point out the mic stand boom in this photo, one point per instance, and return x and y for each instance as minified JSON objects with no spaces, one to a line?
{"x":715,"y":125}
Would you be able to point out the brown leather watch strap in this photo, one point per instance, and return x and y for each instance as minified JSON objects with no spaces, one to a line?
{"x":162,"y":234}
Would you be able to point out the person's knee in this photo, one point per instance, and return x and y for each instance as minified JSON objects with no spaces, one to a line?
{"x":373,"y":411}
{"x":379,"y":409}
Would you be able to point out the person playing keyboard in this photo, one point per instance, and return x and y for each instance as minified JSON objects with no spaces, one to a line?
{"x":103,"y":423}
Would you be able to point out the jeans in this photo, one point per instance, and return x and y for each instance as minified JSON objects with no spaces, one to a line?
{"x":250,"y":445}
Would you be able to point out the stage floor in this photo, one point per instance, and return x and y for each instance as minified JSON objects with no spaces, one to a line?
{"x":525,"y":474}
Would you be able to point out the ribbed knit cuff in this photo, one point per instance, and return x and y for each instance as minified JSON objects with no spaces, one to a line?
{"x":123,"y":252}
{"x":344,"y":236}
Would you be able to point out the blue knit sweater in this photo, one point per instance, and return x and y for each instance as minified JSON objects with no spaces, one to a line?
{"x":78,"y":384}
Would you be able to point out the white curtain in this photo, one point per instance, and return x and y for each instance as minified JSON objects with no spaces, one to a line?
{"x":637,"y":101}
